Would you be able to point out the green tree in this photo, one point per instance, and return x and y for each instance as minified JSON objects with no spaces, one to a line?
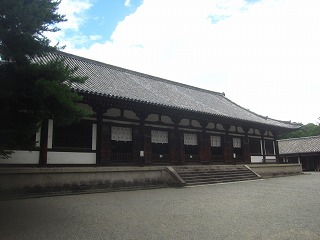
{"x":32,"y":92}
{"x":307,"y":130}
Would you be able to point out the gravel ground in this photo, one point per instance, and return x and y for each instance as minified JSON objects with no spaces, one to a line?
{"x":278,"y":208}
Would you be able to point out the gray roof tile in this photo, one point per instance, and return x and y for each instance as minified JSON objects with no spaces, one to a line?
{"x":299,"y":145}
{"x":114,"y":81}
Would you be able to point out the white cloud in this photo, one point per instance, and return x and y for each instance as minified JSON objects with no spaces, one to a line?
{"x":127,"y":3}
{"x":265,"y":56}
{"x":75,"y":13}
{"x":95,"y":37}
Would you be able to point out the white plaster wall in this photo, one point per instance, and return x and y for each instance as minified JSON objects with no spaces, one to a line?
{"x":130,"y":114}
{"x":166,"y":119}
{"x":38,"y":134}
{"x":240,"y":129}
{"x":22,"y":157}
{"x":50,"y":133}
{"x":219,"y":126}
{"x":113,"y":112}
{"x":257,"y":132}
{"x":153,"y":118}
{"x":71,"y":158}
{"x":271,"y":159}
{"x":195,"y":123}
{"x":232,"y":129}
{"x":256,"y":159}
{"x":86,"y":106}
{"x":94,"y":137}
{"x":184,"y":122}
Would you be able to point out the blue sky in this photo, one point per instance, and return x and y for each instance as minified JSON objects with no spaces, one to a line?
{"x":264,"y":54}
{"x":103,"y":16}
{"x":96,"y":19}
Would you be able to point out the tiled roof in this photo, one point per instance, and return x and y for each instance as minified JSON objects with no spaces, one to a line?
{"x":112,"y":81}
{"x":299,"y":145}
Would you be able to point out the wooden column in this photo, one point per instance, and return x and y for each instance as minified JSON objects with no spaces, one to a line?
{"x":99,"y":136}
{"x":262,"y":131}
{"x":106,"y":136}
{"x":181,"y":148}
{"x":43,"y":144}
{"x":101,"y":149}
{"x":175,"y":144}
{"x":228,"y":147}
{"x":147,"y":146}
{"x":246,"y":147}
{"x":204,"y":143}
{"x":276,"y":147}
{"x":144,"y":149}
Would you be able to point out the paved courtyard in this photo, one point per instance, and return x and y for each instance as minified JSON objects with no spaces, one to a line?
{"x":279,"y":208}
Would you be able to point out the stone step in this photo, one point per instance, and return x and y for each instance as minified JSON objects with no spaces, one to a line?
{"x":219,"y":181}
{"x":212,"y":172}
{"x":222,"y":175}
{"x":196,"y":175}
{"x":217,"y":176}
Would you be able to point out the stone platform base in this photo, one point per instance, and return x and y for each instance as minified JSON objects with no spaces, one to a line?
{"x":33,"y":181}
{"x":276,"y":170}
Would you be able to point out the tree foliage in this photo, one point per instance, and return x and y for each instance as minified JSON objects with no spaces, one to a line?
{"x":32,"y":92}
{"x":22,"y":27}
{"x":307,"y":130}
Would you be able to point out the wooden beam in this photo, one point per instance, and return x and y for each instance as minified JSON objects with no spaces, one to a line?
{"x":43,"y":159}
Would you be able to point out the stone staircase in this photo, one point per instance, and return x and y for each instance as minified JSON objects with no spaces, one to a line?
{"x":199,"y":175}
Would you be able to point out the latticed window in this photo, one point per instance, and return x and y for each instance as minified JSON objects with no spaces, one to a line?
{"x":191,"y":143}
{"x":159,"y":136}
{"x":236,"y":142}
{"x":216,"y":145}
{"x":159,"y":140}
{"x":121,"y":134}
{"x":190,"y":139}
{"x":121,"y":143}
{"x":237,"y":147}
{"x":215,"y":141}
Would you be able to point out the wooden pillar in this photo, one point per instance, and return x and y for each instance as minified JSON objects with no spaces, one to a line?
{"x":246,"y":147}
{"x":182,"y":151}
{"x":101,"y":140}
{"x":262,"y":131}
{"x":228,"y":145}
{"x":204,"y":143}
{"x":99,"y":136}
{"x":175,"y":144}
{"x":147,"y":145}
{"x":43,"y":144}
{"x":276,"y":147}
{"x":144,"y":149}
{"x":106,"y":136}
{"x":136,"y":145}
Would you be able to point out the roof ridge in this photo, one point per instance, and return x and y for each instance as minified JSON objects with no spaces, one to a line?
{"x":138,"y":73}
{"x":288,"y":139}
